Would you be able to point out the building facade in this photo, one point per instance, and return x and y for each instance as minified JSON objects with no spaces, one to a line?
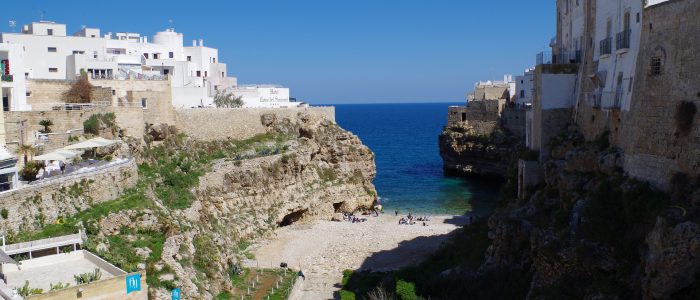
{"x":49,"y":53}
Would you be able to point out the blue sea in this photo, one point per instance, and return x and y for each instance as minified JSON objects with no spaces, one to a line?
{"x":404,"y":138}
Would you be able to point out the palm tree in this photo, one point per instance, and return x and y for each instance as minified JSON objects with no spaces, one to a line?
{"x":27,"y":151}
{"x":46,"y":124}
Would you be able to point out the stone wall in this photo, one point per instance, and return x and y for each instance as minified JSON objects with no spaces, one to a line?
{"x":43,"y":202}
{"x":480,"y":116}
{"x":111,"y":288}
{"x":21,"y":127}
{"x":513,"y":119}
{"x":237,"y":123}
{"x":44,"y":92}
{"x":655,"y":148}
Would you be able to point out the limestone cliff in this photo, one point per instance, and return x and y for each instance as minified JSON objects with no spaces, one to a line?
{"x":195,"y":205}
{"x":466,"y":153}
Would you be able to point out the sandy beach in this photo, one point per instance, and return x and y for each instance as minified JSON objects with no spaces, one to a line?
{"x":324,"y":249}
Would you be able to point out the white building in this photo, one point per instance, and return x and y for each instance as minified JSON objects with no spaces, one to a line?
{"x":49,"y":53}
{"x":264,"y":96}
{"x":13,"y":88}
{"x":493,"y":89}
{"x":618,"y":30}
{"x":524,"y":86}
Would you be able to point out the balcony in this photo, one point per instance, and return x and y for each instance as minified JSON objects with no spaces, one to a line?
{"x":563,"y":56}
{"x":606,"y":46}
{"x":622,"y":40}
{"x":6,"y":78}
{"x":606,"y":100}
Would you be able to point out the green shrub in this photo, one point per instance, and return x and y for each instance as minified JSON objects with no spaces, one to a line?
{"x":26,"y":291}
{"x":4,"y":213}
{"x":92,"y":124}
{"x":406,"y":290}
{"x":347,"y":274}
{"x":30,"y":170}
{"x":88,"y":277}
{"x":347,"y":295}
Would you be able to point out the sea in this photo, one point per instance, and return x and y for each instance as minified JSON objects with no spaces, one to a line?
{"x":404,"y":138}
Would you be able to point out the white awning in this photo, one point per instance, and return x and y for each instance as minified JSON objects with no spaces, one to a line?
{"x":60,"y":155}
{"x":92,"y":143}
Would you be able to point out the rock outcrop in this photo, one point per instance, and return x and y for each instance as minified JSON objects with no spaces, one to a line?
{"x":312,"y":169}
{"x":465,"y":152}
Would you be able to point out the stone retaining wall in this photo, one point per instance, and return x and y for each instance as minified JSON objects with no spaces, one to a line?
{"x":43,"y":203}
{"x":236,"y":123}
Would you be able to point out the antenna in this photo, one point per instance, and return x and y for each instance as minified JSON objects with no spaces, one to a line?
{"x":13,"y":24}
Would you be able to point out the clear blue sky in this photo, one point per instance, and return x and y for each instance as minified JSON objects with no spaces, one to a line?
{"x":330,"y":51}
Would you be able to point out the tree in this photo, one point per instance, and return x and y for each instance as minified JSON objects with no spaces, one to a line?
{"x":26,"y":151}
{"x":46,"y":123}
{"x":80,"y":91}
{"x":227,"y":100}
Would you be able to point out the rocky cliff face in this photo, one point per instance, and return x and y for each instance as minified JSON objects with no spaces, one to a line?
{"x":197,"y":204}
{"x":465,"y":151}
{"x":591,"y":233}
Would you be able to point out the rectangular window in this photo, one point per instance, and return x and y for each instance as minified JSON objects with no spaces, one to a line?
{"x":656,"y":66}
{"x":222,"y":74}
{"x":49,"y":31}
{"x":189,"y":58}
{"x":199,"y":73}
{"x":522,"y":93}
{"x":114,"y":92}
{"x":206,"y":73}
{"x":214,"y":58}
{"x":28,"y":94}
{"x":53,"y":70}
{"x":52,"y":49}
{"x":155,"y":55}
{"x":171,"y":55}
{"x":78,"y":52}
{"x":145,"y":55}
{"x":637,"y":17}
{"x":144,"y":102}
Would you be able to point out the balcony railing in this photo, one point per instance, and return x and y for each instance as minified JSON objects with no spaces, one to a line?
{"x":607,"y":100}
{"x":563,"y":56}
{"x":622,"y":41}
{"x":606,"y":46}
{"x":7,"y":78}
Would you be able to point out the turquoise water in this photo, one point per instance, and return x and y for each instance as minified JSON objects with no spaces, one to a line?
{"x":404,"y":138}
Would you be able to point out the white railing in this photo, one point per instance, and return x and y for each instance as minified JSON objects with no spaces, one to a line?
{"x":43,"y":244}
{"x":66,"y":106}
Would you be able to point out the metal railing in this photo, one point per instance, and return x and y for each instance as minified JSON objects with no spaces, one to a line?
{"x":606,"y":46}
{"x":622,"y":41}
{"x":563,"y":56}
{"x":58,"y":106}
{"x":607,"y":100}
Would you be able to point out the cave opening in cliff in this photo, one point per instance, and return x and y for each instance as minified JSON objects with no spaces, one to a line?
{"x":338,"y":206}
{"x":293,"y":217}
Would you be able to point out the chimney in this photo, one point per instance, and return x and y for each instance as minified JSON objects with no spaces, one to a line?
{"x":194,"y":43}
{"x":201,"y":42}
{"x":145,"y":39}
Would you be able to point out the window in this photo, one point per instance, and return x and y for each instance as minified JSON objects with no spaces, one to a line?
{"x":222,"y":74}
{"x":206,"y":73}
{"x":28,"y":94}
{"x":114,"y":92}
{"x":171,"y":55}
{"x":189,"y":58}
{"x":92,"y":36}
{"x":214,"y":58}
{"x":49,"y":31}
{"x":656,"y":65}
{"x":145,"y":55}
{"x":629,"y":86}
{"x":52,"y":49}
{"x":78,"y":52}
{"x":53,"y":70}
{"x":155,"y":55}
{"x":464,"y":117}
{"x":637,"y":17}
{"x":199,"y":73}
{"x":166,"y":71}
{"x":144,"y":102}
{"x":522,"y":93}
